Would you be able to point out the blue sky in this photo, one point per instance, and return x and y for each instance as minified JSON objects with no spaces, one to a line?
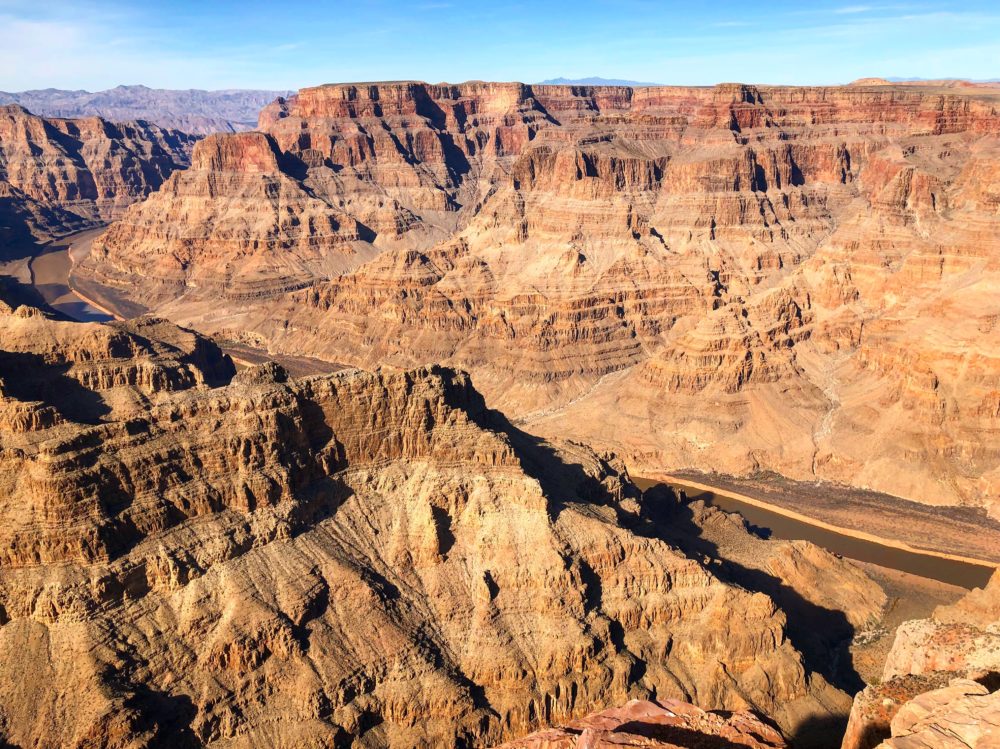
{"x":288,"y":44}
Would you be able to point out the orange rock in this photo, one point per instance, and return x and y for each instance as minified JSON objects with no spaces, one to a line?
{"x":732,"y":279}
{"x":669,"y":724}
{"x":194,"y":556}
{"x":62,"y":175}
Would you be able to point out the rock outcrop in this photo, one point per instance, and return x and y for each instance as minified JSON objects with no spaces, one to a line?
{"x":59,"y":176}
{"x":962,"y":715}
{"x":732,"y":279}
{"x":670,"y":724}
{"x":259,"y":229}
{"x":247,"y":559}
{"x":940,"y":670}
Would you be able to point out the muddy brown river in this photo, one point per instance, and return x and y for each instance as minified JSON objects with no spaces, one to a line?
{"x":777,"y":525}
{"x":50,"y":277}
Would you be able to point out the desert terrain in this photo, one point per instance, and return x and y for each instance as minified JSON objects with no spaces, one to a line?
{"x":720,"y":279}
{"x":500,"y":414}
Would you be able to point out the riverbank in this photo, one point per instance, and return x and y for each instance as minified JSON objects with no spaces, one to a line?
{"x":862,"y":546}
{"x":50,"y":272}
{"x":965,"y":532}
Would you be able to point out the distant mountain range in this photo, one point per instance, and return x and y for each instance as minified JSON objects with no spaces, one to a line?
{"x":595,"y":81}
{"x":190,"y":110}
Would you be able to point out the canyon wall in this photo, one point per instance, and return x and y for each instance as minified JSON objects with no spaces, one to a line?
{"x":202,"y":556}
{"x":58,"y":175}
{"x":734,"y":279}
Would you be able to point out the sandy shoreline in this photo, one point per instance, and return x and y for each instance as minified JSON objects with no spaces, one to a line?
{"x":815,"y":522}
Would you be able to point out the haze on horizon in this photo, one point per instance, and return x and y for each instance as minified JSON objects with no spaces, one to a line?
{"x":97,"y":44}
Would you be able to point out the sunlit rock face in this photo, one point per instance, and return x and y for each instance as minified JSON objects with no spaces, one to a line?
{"x":656,"y":725}
{"x":940,"y":680}
{"x":735,"y":278}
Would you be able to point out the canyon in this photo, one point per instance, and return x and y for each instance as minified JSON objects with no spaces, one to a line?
{"x":735,"y":279}
{"x":59,"y":176}
{"x":355,"y":462}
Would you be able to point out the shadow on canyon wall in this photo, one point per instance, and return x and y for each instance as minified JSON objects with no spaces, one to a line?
{"x":821,"y":635}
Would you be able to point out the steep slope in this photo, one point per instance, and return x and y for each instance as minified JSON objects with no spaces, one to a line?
{"x":59,"y":176}
{"x":191,"y":110}
{"x":734,"y":278}
{"x":251,"y":560}
{"x":236,"y":225}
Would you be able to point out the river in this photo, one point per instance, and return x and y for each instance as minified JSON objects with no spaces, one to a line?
{"x":778,"y":525}
{"x":50,"y":270}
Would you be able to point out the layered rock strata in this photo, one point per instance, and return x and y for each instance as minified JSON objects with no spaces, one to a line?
{"x":249,"y":228}
{"x":205,"y":558}
{"x":734,"y":279}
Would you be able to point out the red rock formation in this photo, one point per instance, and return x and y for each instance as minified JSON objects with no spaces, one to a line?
{"x":668,"y":725}
{"x":259,"y":230}
{"x":196,"y":557}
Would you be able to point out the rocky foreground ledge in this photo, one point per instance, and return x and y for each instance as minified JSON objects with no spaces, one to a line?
{"x":940,"y":686}
{"x":657,"y":725}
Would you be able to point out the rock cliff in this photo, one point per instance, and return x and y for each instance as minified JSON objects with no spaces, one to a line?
{"x":59,"y":175}
{"x":208,"y":558}
{"x":733,"y":279}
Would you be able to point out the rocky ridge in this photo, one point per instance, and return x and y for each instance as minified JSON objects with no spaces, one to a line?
{"x":191,"y":111}
{"x":753,"y":266}
{"x":200,"y":547}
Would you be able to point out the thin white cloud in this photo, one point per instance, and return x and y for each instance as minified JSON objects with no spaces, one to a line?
{"x":95,"y":50}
